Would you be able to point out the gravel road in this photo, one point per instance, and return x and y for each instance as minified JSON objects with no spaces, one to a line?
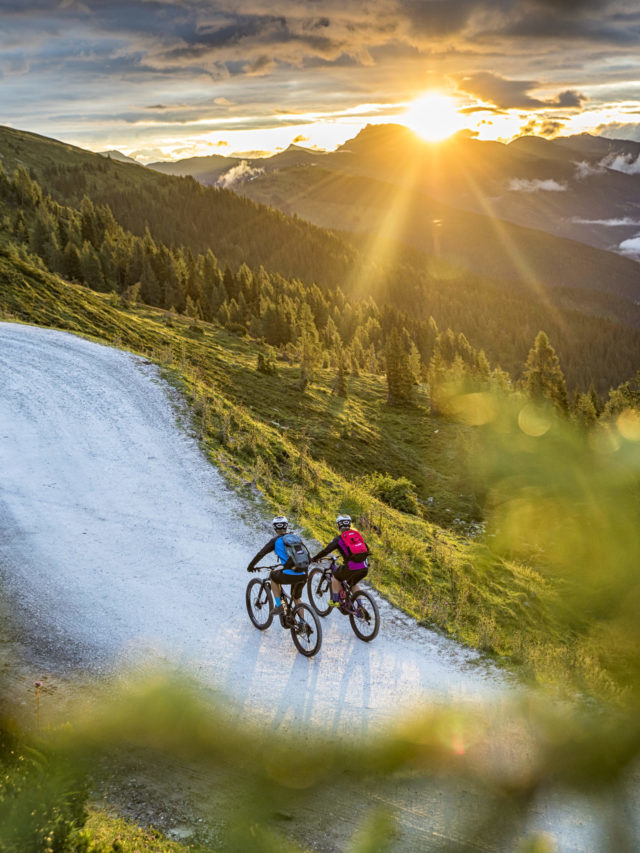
{"x":121,"y":545}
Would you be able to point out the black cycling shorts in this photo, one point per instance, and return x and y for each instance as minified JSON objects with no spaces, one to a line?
{"x":297,"y":581}
{"x":351,"y":576}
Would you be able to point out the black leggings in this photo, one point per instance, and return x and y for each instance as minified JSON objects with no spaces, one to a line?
{"x":351,"y":576}
{"x":296,"y":582}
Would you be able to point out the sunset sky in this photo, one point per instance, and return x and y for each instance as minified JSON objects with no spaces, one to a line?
{"x":165,"y":79}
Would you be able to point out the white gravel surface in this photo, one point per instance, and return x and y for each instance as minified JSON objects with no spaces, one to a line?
{"x":121,"y":544}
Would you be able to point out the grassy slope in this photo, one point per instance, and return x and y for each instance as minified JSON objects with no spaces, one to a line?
{"x":301,"y":454}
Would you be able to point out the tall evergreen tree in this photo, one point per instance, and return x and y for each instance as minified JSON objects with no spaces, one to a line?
{"x":307,"y":345}
{"x":543,"y":378}
{"x":340,"y":385}
{"x":91,"y":268}
{"x":399,"y":376}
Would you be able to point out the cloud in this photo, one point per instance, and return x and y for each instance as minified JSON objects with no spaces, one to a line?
{"x":626,"y":163}
{"x":239,"y":174}
{"x":631,"y":247}
{"x":439,"y":17}
{"x":13,"y":64}
{"x":585,"y":170}
{"x":626,"y":221}
{"x":514,"y":94}
{"x":523,"y":185}
{"x":613,"y":22}
{"x":618,"y":130}
{"x":549,"y":128}
{"x":569,"y":98}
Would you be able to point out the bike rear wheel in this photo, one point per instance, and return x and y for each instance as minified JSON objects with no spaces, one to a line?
{"x":319,"y":591}
{"x":365,"y":620}
{"x":306,"y":631}
{"x":259,"y":603}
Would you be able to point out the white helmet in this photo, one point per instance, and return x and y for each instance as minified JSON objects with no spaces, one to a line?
{"x":343,"y":522}
{"x":280,"y":523}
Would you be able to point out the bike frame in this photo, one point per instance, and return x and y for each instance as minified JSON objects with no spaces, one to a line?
{"x":287,"y":599}
{"x":346,"y":605}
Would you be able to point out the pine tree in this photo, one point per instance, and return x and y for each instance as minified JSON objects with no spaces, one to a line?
{"x":307,"y":345}
{"x":150,"y":291}
{"x":340,"y":385}
{"x":584,"y":412}
{"x":90,"y":268}
{"x":88,"y":230}
{"x":543,"y":379}
{"x":399,"y":377}
{"x":20,"y":227}
{"x":71,"y":262}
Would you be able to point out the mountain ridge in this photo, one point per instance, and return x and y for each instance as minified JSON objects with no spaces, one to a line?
{"x":563,"y":186}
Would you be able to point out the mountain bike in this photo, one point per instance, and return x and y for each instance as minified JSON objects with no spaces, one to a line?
{"x":306,"y":631}
{"x":359,"y":606}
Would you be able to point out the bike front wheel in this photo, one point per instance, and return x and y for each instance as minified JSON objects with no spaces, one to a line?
{"x":319,"y":591}
{"x":365,"y":619}
{"x":306,"y":630}
{"x":259,"y":603}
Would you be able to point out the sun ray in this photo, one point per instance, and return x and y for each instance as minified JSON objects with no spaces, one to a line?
{"x":383,"y":243}
{"x":528,"y":277}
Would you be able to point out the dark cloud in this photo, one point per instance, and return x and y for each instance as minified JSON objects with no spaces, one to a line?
{"x":439,"y":17}
{"x":569,"y":99}
{"x":514,"y":94}
{"x":614,"y":22}
{"x":170,"y":34}
{"x":550,"y":128}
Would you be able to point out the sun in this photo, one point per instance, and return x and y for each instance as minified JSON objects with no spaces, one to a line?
{"x":434,"y":117}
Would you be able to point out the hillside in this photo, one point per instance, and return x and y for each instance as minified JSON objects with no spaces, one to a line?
{"x":570,"y":187}
{"x":488,"y":245}
{"x":135,"y":236}
{"x":300,"y":452}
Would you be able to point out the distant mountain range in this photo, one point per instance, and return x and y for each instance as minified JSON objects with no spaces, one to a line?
{"x":119,"y":156}
{"x":213,"y":169}
{"x":582,"y":187}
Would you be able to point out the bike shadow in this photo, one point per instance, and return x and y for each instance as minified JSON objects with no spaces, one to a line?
{"x":302,"y":681}
{"x":241,"y":672}
{"x":357,"y":664}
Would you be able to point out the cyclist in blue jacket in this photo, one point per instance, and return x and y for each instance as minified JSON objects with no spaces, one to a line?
{"x":288,"y":574}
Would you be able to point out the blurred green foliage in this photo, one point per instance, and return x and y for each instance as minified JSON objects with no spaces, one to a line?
{"x":514,"y":758}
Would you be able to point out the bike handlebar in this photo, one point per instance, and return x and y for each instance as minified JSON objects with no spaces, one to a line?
{"x":265,"y":568}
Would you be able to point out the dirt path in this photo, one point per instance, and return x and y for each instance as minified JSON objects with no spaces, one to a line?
{"x":122,"y":545}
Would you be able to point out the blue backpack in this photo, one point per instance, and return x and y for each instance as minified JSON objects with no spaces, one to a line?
{"x":297,"y":551}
